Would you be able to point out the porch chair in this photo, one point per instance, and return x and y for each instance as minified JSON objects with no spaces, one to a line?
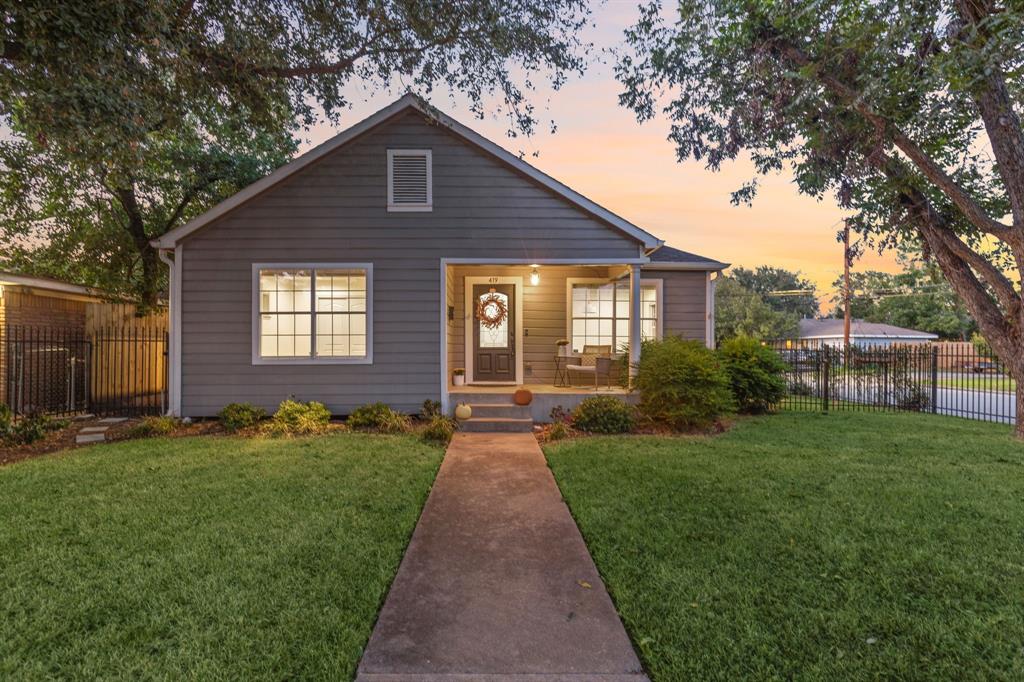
{"x":595,"y":361}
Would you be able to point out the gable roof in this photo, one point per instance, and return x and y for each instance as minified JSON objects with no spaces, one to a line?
{"x":408,"y":101}
{"x":669,"y":258}
{"x":48,"y":284}
{"x":832,"y":327}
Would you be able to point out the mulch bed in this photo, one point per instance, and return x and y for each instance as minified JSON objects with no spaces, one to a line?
{"x":64,"y":438}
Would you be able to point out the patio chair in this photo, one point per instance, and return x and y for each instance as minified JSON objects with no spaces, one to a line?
{"x":594,"y":361}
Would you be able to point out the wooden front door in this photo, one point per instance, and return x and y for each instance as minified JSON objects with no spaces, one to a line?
{"x":494,"y":348}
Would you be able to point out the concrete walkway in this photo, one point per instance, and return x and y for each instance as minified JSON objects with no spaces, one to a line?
{"x":496,"y":583}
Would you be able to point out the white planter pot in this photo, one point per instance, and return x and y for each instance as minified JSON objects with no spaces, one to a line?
{"x":459,"y":379}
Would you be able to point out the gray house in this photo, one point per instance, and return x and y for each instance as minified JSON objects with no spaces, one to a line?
{"x":405,"y":248}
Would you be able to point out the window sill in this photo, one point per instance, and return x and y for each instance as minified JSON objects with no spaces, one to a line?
{"x":312,"y":361}
{"x":410,"y":208}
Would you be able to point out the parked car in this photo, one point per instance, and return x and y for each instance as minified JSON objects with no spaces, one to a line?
{"x":980,"y":366}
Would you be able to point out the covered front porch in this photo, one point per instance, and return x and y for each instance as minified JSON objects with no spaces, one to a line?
{"x":510,"y":325}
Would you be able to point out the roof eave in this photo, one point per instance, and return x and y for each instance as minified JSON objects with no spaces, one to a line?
{"x":711,"y":266}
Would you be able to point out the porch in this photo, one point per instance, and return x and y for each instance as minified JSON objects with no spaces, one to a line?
{"x":490,"y":402}
{"x":548,"y":312}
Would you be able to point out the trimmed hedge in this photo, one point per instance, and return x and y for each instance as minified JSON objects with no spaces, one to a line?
{"x":682,"y":384}
{"x":756,"y":374}
{"x":603,"y":414}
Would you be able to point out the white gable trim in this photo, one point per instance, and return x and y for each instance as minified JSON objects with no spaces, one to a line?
{"x":171,"y":239}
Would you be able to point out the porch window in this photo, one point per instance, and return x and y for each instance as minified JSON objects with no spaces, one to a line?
{"x":313,"y":313}
{"x":600,"y":314}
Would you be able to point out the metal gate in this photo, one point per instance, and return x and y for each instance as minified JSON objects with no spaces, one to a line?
{"x":64,"y":371}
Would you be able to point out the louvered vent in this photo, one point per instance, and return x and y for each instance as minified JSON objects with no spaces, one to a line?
{"x":409,"y":180}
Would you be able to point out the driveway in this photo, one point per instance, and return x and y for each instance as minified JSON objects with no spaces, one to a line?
{"x":497,"y":583}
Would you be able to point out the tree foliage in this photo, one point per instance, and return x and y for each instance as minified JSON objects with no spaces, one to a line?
{"x":784,"y":290}
{"x":917,"y":298}
{"x":128,"y":117}
{"x":908,"y":112}
{"x":742,"y":312}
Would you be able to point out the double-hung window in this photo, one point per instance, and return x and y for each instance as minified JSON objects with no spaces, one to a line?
{"x":313,"y":312}
{"x":599,"y":313}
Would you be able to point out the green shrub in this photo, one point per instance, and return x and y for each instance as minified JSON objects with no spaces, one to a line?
{"x":378,"y":417}
{"x":603,"y":414}
{"x":237,"y":416}
{"x":756,"y":374}
{"x":294,"y":417}
{"x":430,"y":409}
{"x":682,"y":384}
{"x":153,"y":426}
{"x":439,"y":429}
{"x":26,"y":430}
{"x":557,"y":431}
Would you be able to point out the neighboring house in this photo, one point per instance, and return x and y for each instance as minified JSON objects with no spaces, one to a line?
{"x":50,"y":357}
{"x":353,"y":274}
{"x":829,"y":332}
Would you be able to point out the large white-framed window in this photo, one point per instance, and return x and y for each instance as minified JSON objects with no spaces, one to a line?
{"x":305,"y":313}
{"x":410,"y":180}
{"x":598,"y":312}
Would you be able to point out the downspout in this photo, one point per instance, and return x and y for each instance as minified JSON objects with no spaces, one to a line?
{"x":172,"y":343}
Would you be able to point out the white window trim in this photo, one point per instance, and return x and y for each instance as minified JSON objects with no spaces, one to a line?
{"x":408,"y":208}
{"x":257,"y":359}
{"x":659,"y":330}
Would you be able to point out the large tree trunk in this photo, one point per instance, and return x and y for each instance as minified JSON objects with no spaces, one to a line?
{"x":149,"y":290}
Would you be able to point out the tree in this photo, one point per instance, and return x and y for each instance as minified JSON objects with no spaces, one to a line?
{"x":742,"y":312}
{"x":784,"y":290}
{"x":128,"y":118}
{"x":917,"y":298}
{"x":908,"y":112}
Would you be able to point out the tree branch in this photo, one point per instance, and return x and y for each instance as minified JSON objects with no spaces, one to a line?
{"x":996,"y":108}
{"x":921,"y":210}
{"x":931,"y":170}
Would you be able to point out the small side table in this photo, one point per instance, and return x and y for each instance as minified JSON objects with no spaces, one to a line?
{"x":561,"y":373}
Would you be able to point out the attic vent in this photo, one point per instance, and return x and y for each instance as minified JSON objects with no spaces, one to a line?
{"x":409,"y":180}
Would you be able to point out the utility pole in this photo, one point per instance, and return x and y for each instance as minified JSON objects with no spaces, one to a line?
{"x":846,"y":284}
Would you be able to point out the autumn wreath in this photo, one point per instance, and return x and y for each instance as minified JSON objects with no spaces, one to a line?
{"x":491,"y":310}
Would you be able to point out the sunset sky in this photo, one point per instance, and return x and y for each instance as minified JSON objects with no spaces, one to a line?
{"x":602,"y":152}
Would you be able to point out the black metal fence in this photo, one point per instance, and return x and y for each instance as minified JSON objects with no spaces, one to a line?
{"x":951,"y":379}
{"x":65,"y":371}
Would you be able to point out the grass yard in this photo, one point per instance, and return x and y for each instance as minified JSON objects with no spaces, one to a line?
{"x":802,"y":546}
{"x":978,"y":382}
{"x":204,"y":558}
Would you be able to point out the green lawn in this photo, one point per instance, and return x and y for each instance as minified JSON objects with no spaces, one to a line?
{"x":204,"y":558}
{"x":978,"y":382}
{"x":802,"y":546}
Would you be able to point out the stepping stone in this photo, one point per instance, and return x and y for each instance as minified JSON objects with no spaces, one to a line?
{"x":83,"y":417}
{"x":113,"y":420}
{"x":83,"y":438}
{"x":94,"y":429}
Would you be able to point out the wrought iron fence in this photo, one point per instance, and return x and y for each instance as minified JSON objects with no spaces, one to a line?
{"x":951,"y":379}
{"x":65,"y":371}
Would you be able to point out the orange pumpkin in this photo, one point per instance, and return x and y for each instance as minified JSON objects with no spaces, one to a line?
{"x":523,"y":397}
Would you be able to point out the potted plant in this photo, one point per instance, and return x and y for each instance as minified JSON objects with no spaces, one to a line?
{"x":459,"y":377}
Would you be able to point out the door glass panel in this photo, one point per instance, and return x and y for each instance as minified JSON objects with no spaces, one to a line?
{"x":496,"y":337}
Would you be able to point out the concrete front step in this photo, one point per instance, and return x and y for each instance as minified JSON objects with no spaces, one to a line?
{"x":497,"y":425}
{"x":490,"y":410}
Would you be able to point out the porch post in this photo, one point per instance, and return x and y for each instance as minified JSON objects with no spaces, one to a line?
{"x":634,"y":319}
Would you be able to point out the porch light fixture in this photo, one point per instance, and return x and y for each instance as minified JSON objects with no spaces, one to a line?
{"x":534,"y":277}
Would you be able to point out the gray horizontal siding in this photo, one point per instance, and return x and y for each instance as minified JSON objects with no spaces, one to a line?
{"x":335,"y":211}
{"x":685,"y":304}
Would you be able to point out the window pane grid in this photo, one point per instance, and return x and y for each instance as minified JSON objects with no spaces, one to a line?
{"x":600,"y":315}
{"x":313,"y":313}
